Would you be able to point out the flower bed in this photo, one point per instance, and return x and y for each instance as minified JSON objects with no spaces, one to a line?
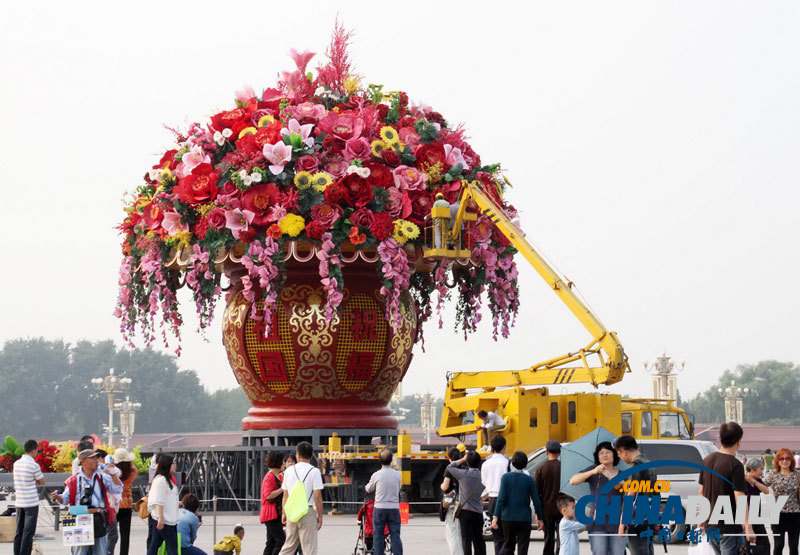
{"x":321,"y":159}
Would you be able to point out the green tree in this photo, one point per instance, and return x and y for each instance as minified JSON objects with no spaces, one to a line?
{"x":774,"y":387}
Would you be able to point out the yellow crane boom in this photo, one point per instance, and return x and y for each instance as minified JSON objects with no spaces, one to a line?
{"x":574,"y":367}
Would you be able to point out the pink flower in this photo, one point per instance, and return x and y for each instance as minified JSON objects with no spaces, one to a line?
{"x":337,"y":166}
{"x":407,"y":178}
{"x":194,"y":158}
{"x":245,"y":94}
{"x":454,"y":157}
{"x":307,"y":111}
{"x":293,"y":81}
{"x":279,"y":154}
{"x":326,"y":214}
{"x":409,"y":137}
{"x":301,"y":59}
{"x":304,"y":131}
{"x":216,"y":218}
{"x":398,"y":203}
{"x":173,"y":223}
{"x":357,"y":148}
{"x":238,"y":220}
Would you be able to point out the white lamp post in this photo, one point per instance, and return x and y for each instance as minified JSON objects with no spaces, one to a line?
{"x":111,"y":385}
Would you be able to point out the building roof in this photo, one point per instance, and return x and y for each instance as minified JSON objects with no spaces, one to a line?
{"x":757,"y":438}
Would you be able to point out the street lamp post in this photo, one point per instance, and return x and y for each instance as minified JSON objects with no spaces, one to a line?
{"x":665,"y":381}
{"x":127,"y":418}
{"x":111,"y":385}
{"x":733,"y":396}
{"x":428,"y":416}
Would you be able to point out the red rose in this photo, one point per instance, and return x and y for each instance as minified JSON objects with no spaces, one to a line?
{"x":382,"y":226}
{"x":391,"y":157}
{"x":314,"y":230}
{"x":307,"y":163}
{"x":379,"y":175}
{"x":326,"y":214}
{"x":363,"y":217}
{"x":258,"y":199}
{"x":421,"y":204}
{"x":336,"y":193}
{"x":216,"y":218}
{"x":200,"y":186}
{"x":359,"y":191}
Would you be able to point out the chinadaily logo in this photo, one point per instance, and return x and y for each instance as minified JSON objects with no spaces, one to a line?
{"x":649,"y":503}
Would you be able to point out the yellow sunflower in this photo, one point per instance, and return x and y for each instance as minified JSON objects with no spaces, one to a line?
{"x":321,"y":180}
{"x":246,"y":131}
{"x":265,"y":120}
{"x":303,"y":180}
{"x":378,"y":146}
{"x":405,"y":231}
{"x":389,"y":135}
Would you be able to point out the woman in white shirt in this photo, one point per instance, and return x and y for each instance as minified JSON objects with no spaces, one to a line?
{"x":162,"y":502}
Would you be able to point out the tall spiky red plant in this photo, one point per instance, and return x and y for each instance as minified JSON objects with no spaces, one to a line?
{"x":337,"y":70}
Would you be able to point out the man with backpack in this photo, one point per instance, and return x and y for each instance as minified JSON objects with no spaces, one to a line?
{"x":302,"y":503}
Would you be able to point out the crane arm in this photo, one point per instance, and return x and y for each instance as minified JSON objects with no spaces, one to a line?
{"x":575,"y":367}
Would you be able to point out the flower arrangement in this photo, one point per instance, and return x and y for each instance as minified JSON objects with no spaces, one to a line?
{"x":319,"y":159}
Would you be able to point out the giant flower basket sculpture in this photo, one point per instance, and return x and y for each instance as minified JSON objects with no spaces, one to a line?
{"x":307,"y":206}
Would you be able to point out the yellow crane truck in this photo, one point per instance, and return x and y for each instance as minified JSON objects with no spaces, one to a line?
{"x":533,"y":415}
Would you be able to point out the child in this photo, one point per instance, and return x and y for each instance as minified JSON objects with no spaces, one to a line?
{"x":569,"y":528}
{"x":229,"y":543}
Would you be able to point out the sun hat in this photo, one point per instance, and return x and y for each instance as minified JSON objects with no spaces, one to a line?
{"x":86,"y":454}
{"x":122,"y":455}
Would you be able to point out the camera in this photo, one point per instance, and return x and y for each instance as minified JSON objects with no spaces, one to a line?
{"x":86,"y":498}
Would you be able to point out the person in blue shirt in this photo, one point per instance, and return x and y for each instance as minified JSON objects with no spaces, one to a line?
{"x":188,"y":524}
{"x":513,"y":507}
{"x":568,"y":528}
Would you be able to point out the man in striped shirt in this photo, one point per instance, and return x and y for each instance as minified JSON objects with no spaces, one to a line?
{"x":27,"y":475}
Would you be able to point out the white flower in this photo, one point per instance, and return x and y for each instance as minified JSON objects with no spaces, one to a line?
{"x":219,"y":138}
{"x":351,"y":169}
{"x":320,"y":91}
{"x":155,"y":174}
{"x":363,"y":172}
{"x":247,"y":180}
{"x":227,"y":133}
{"x":243,"y":174}
{"x":255,"y":177}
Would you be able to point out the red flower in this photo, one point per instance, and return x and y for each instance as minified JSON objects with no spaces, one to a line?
{"x":200,"y":186}
{"x":247,"y":235}
{"x":200,"y":228}
{"x":331,"y":145}
{"x":363,"y":217}
{"x":326,"y":214}
{"x":431,"y":158}
{"x":229,"y":119}
{"x":216,"y":218}
{"x":359,"y":191}
{"x":382,"y":226}
{"x":314,"y":230}
{"x":355,"y":237}
{"x":342,"y":125}
{"x":499,"y":238}
{"x":307,"y":163}
{"x":421,"y":204}
{"x":168,"y":160}
{"x":379,"y":175}
{"x":336,"y":193}
{"x":152,"y":214}
{"x":391,"y":157}
{"x":274,"y":231}
{"x":258,"y":200}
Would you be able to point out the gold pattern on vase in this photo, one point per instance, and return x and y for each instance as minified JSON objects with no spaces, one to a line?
{"x":232,"y":323}
{"x":361,"y":342}
{"x":315,"y":377}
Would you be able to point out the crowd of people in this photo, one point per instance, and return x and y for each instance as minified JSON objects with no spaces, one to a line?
{"x":291,"y":501}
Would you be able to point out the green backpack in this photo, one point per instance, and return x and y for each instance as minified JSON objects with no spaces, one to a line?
{"x":297,"y":503}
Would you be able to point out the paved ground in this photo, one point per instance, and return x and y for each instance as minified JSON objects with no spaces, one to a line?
{"x":422,"y":535}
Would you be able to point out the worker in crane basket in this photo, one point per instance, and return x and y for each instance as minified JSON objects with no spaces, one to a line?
{"x":490,"y":423}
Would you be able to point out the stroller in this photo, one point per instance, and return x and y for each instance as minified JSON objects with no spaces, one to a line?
{"x":364,"y":542}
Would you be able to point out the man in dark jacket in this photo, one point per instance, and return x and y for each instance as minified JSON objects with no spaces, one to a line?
{"x":628,"y":451}
{"x":548,"y":478}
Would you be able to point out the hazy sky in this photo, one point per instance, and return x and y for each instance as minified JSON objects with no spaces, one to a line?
{"x":653,"y":147}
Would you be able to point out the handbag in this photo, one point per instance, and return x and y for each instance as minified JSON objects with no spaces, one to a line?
{"x":141,"y":508}
{"x":753,"y":549}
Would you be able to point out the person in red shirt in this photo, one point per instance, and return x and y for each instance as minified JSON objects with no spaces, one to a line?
{"x":271,"y":493}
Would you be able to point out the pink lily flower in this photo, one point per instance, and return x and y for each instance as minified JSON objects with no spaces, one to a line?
{"x":301,"y":59}
{"x":238,"y":220}
{"x":303,"y":130}
{"x":245,"y":94}
{"x":173,"y":223}
{"x":279,"y":154}
{"x":194,"y":158}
